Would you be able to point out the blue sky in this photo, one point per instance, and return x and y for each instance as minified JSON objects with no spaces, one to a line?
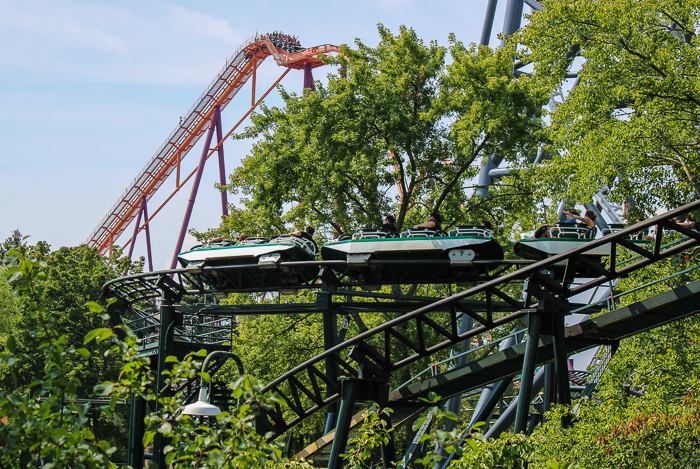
{"x":90,"y":89}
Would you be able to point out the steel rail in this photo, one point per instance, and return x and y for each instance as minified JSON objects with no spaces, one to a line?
{"x":167,"y":158}
{"x":380,"y":363}
{"x":149,"y":280}
{"x":211,"y":152}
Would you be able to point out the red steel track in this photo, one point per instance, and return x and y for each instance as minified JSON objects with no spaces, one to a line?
{"x":239,"y":68}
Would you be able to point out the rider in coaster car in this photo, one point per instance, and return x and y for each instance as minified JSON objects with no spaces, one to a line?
{"x":307,"y":233}
{"x":686,"y":221}
{"x":570,"y":215}
{"x":434,"y":223}
{"x":588,"y":218}
{"x":389,"y":224}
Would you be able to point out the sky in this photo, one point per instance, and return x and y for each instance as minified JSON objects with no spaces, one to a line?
{"x":90,"y":89}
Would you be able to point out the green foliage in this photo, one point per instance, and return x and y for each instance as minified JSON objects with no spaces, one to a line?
{"x":645,"y":412}
{"x":73,"y":276}
{"x":231,"y":442}
{"x":8,"y":306}
{"x":634,"y":114}
{"x":374,"y":433}
{"x":513,"y":451}
{"x":47,"y":424}
{"x":397,"y":131}
{"x":49,"y":427}
{"x":631,"y":124}
{"x":651,"y":432}
{"x":448,"y":441}
{"x":472,"y":449}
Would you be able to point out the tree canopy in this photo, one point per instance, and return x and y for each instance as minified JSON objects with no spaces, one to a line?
{"x":396,"y":130}
{"x":74,"y":276}
{"x":633,"y":120}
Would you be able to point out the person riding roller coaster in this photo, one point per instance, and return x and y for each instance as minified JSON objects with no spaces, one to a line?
{"x":389,"y":224}
{"x":307,"y":233}
{"x":588,"y":218}
{"x":434,"y":223}
{"x":572,"y":216}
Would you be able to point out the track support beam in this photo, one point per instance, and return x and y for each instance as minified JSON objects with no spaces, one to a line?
{"x":324,"y":302}
{"x":533,"y":337}
{"x":365,"y":390}
{"x":215,"y":124}
{"x":348,"y":396}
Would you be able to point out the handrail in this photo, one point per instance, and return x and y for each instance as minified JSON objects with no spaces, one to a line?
{"x":641,"y":287}
{"x":460,"y":355}
{"x":186,"y":134}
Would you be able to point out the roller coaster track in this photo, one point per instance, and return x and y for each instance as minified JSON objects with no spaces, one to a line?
{"x":608,"y":328}
{"x":369,"y":354}
{"x":307,"y":388}
{"x":238,"y":69}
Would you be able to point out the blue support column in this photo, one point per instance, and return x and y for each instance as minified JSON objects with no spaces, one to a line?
{"x":488,"y":23}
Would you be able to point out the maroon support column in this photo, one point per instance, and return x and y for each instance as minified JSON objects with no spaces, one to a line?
{"x":143,"y":210}
{"x":148,"y":233}
{"x":195,"y":185}
{"x":136,"y":229}
{"x":222,"y":170}
{"x":308,"y":77}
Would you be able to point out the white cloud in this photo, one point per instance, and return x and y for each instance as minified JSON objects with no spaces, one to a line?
{"x":64,"y":22}
{"x":74,"y":41}
{"x":198,"y":24}
{"x":394,"y":4}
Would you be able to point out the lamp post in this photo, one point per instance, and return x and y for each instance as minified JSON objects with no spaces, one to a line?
{"x":202,"y":406}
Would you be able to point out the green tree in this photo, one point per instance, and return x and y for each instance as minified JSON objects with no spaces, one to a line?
{"x":74,"y":276}
{"x":645,"y":410}
{"x":633,"y":120}
{"x":8,"y":306}
{"x":49,"y":426}
{"x":397,"y":130}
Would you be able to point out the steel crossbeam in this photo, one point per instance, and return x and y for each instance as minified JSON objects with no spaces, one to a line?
{"x":364,"y":350}
{"x":193,"y":283}
{"x":427,"y":329}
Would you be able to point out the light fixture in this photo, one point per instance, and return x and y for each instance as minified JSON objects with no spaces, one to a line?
{"x":202,"y":406}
